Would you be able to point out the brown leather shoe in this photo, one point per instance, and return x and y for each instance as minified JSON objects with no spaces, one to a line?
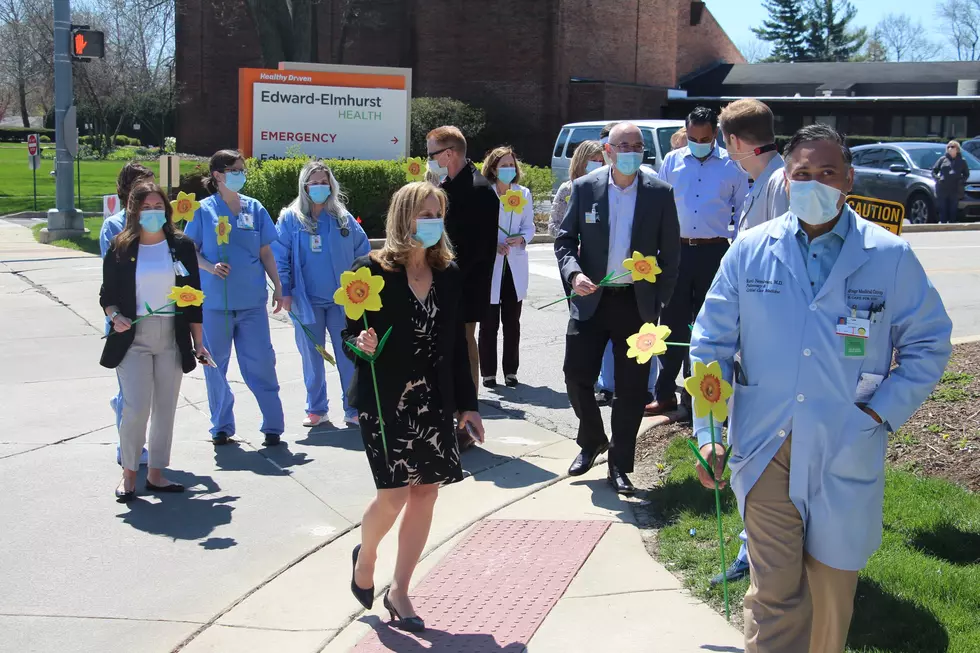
{"x":659,"y":408}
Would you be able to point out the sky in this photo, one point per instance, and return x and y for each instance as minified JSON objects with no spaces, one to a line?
{"x":737,"y":17}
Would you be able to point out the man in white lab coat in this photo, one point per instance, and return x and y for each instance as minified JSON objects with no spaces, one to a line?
{"x":816,"y":301}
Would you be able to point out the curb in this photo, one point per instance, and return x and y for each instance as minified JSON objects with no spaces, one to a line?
{"x":927,"y":228}
{"x":964,"y":340}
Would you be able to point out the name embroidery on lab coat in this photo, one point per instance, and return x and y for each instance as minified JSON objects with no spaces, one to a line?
{"x":771,"y":286}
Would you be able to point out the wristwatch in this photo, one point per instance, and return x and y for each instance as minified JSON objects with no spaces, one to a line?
{"x":112,"y":318}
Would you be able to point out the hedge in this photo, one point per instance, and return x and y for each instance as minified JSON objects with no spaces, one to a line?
{"x":368,"y":185}
{"x":19,"y":134}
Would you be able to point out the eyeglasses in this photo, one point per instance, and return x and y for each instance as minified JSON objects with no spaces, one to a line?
{"x":433,"y":155}
{"x":628,"y":147}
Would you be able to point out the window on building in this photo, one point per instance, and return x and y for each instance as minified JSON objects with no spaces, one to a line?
{"x":916,"y":126}
{"x":560,"y":143}
{"x":579,"y":136}
{"x":828,"y":120}
{"x":807,"y":120}
{"x":779,"y":124}
{"x":935,"y":125}
{"x":861,"y":125}
{"x":896,"y":126}
{"x":955,"y":127}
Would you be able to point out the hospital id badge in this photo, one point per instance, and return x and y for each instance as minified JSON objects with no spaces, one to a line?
{"x":246,"y":221}
{"x":180,"y":270}
{"x":590,"y":218}
{"x":855,"y":327}
{"x":854,"y":347}
{"x":316,"y":243}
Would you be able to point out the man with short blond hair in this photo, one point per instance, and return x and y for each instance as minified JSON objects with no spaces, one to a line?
{"x":748,"y":128}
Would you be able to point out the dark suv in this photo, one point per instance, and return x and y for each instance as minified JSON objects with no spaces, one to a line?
{"x":902,"y":172}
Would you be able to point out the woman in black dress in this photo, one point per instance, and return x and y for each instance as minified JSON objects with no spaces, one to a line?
{"x":423,"y":377}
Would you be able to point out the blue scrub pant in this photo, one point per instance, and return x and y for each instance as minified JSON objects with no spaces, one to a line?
{"x":116,"y":404}
{"x":249,"y":330}
{"x":607,"y":379}
{"x":743,"y":552}
{"x":326,"y":318}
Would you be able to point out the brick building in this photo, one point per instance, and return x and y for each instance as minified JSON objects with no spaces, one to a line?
{"x":532,"y":65}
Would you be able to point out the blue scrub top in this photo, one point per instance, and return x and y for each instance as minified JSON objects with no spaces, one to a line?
{"x":246,"y":285}
{"x":111,"y":227}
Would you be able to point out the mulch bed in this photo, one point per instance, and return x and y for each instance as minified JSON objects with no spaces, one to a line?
{"x":942,"y":439}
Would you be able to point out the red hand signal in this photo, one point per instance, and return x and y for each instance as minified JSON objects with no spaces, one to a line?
{"x":80,"y":44}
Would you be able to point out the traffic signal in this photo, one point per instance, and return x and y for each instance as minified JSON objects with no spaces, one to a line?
{"x":87,"y":44}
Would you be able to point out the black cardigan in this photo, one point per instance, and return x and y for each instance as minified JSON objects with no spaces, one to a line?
{"x":395,"y":361}
{"x":119,"y":289}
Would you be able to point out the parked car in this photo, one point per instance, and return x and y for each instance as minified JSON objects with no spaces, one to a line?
{"x":972,"y":146}
{"x":656,"y":139}
{"x":902,"y":172}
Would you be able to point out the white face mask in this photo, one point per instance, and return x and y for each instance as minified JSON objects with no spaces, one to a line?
{"x":437,"y":169}
{"x":812,"y":202}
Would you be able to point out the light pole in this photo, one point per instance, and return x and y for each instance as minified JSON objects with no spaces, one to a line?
{"x":63,"y":220}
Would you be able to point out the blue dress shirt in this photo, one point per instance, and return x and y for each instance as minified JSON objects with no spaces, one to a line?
{"x":707,"y":192}
{"x":821,"y":253}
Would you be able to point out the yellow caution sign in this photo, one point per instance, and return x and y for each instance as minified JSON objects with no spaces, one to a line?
{"x":884,"y":213}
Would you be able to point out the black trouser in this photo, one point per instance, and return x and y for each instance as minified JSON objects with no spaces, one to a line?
{"x":509,"y":312}
{"x":699,"y":263}
{"x":616,"y":318}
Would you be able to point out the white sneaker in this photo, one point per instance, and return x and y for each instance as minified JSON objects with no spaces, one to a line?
{"x":353,"y":420}
{"x":312,"y":420}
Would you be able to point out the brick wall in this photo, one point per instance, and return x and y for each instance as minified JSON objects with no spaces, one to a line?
{"x":701,"y":45}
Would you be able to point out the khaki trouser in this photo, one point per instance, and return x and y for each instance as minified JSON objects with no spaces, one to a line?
{"x":795,"y":603}
{"x":150,"y":376}
{"x":474,"y":354}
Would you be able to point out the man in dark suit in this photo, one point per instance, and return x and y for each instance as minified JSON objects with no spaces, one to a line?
{"x":613,"y":212}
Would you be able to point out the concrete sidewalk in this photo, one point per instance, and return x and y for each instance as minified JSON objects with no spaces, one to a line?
{"x":256,"y":555}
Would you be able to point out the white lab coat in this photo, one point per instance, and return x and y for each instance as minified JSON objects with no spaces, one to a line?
{"x":518,"y":224}
{"x":798,"y":380}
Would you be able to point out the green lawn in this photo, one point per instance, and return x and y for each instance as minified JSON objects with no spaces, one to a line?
{"x":88,"y":243}
{"x":920,"y":592}
{"x":16,"y":182}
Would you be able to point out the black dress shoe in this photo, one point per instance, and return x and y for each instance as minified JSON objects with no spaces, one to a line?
{"x":584,"y":461}
{"x":364,"y":596}
{"x":604,"y":398}
{"x":738,"y":570}
{"x":408,"y":624}
{"x":219,"y":438}
{"x":271,"y":440}
{"x":489,"y":382}
{"x":125,"y":497}
{"x":510,"y":380}
{"x":620,"y":482}
{"x":173,"y":487}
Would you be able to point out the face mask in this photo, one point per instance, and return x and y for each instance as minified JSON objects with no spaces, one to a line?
{"x":428,"y":231}
{"x":812,"y":202}
{"x":437,"y":169}
{"x":592,"y":166}
{"x":605,"y":158}
{"x":235,"y":180}
{"x":319,"y":193}
{"x":700,"y":150}
{"x":153,"y":220}
{"x":506,"y":174}
{"x":628,"y":162}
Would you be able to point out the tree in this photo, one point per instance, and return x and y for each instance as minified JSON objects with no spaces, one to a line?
{"x":830,"y":36}
{"x":431,"y":112}
{"x":784,"y":29}
{"x":905,"y":40}
{"x":875,"y":50}
{"x":962,"y":21}
{"x":755,"y":50}
{"x":18,"y":60}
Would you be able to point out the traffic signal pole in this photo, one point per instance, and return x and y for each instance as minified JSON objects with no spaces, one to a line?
{"x":63,"y":220}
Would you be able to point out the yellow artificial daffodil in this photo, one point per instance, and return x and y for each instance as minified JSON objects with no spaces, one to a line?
{"x":186,"y":296}
{"x":649,"y":342}
{"x":414,"y":169}
{"x":359,"y":291}
{"x":643,"y":268}
{"x":513,"y":200}
{"x":709,"y":391}
{"x":184,"y":206}
{"x":222,"y":229}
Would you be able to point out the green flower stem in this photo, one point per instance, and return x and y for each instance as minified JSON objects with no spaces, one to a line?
{"x":608,"y":279}
{"x":721,"y":532}
{"x":377,"y":398}
{"x":149,"y":313}
{"x":678,"y":344}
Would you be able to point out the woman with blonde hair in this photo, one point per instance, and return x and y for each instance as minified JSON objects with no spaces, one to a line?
{"x":515,"y":229}
{"x":951,"y":174}
{"x":318,"y":240}
{"x":423,"y":377}
{"x":587,"y":158}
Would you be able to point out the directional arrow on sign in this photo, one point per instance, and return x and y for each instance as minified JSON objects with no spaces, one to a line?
{"x":395,"y":140}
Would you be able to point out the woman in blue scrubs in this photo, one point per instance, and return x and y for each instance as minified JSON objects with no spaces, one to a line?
{"x":318,"y":240}
{"x":234,"y":234}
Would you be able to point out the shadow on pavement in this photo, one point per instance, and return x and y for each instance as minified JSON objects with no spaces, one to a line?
{"x":891,"y":624}
{"x":541,"y":396}
{"x":269,"y":461}
{"x":192,"y":515}
{"x":348,"y":437}
{"x":604,"y":497}
{"x":520,"y":473}
{"x":437,"y":641}
{"x":949,"y":543}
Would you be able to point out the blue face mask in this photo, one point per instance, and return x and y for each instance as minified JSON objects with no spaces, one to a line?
{"x":235,"y":180}
{"x":319,"y":193}
{"x":700,"y":150}
{"x":812,"y":202}
{"x":153,"y":220}
{"x":506,"y":174}
{"x":428,"y":231}
{"x":628,"y":162}
{"x":592,"y":166}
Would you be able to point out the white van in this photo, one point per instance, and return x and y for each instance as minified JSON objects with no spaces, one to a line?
{"x":656,"y":139}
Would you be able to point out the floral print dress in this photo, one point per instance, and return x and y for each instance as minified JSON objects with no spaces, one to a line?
{"x":422,"y":445}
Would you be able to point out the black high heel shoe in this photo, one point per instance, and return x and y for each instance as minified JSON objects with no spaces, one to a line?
{"x":411,"y":624}
{"x":364,"y":596}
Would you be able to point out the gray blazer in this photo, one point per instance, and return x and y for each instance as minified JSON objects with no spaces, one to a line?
{"x":583,"y":247}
